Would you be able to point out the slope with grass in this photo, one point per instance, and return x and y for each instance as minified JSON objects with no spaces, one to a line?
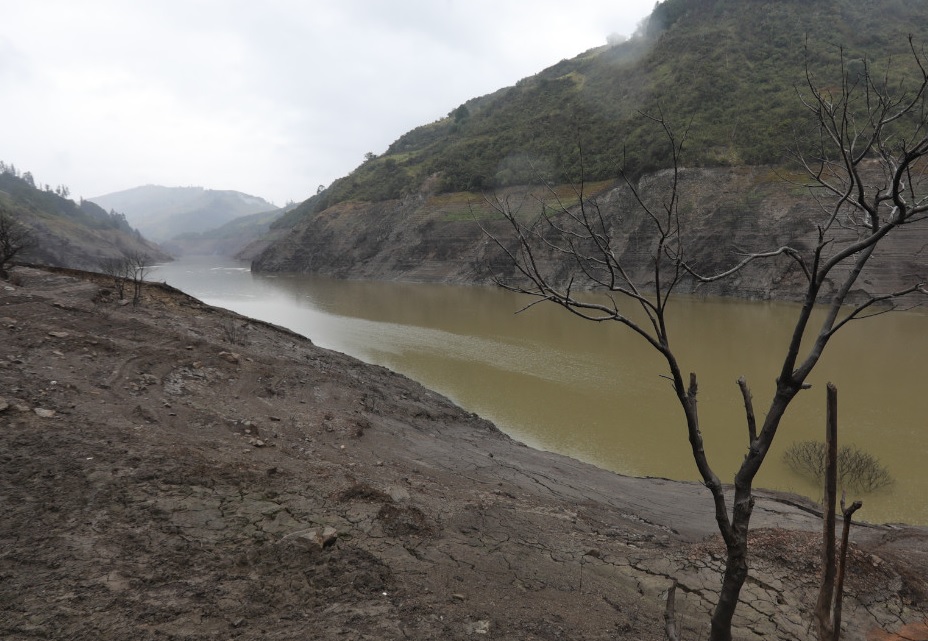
{"x":728,"y":70}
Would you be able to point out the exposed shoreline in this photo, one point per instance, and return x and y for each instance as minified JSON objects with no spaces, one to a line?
{"x":194,"y":458}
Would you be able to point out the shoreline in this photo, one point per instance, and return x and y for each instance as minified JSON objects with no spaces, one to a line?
{"x":213,"y":472}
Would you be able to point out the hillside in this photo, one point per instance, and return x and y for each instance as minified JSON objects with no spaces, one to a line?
{"x":727,"y":69}
{"x":161,"y":213}
{"x":65,"y":233}
{"x":244,"y":236}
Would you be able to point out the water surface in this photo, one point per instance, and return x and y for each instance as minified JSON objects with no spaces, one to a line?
{"x":596,"y":391}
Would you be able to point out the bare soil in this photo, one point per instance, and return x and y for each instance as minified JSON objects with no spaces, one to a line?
{"x":176,"y":471}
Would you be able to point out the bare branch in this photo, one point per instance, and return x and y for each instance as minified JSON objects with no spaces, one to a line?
{"x":750,"y":258}
{"x":748,"y":410}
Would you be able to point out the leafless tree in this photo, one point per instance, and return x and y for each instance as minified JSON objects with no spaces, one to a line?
{"x":857,"y":469}
{"x":139,"y":265}
{"x":130,"y":267}
{"x":865,"y":182}
{"x":14,"y":239}
{"x":117,"y":268}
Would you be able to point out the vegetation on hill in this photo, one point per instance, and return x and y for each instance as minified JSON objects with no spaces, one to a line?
{"x":21,"y":191}
{"x":729,"y":68}
{"x":63,"y":232}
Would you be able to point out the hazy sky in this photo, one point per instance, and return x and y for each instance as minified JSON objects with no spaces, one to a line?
{"x":271,"y":98}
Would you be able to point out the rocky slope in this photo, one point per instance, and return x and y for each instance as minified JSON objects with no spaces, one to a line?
{"x":65,"y":233}
{"x":183,"y":472}
{"x":726,"y":211}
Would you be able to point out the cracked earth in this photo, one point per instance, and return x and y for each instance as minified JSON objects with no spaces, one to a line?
{"x":176,"y":471}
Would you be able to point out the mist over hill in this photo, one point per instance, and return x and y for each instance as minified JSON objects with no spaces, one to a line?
{"x":240,"y":238}
{"x":161,"y":213}
{"x":728,"y":72}
{"x":727,"y":69}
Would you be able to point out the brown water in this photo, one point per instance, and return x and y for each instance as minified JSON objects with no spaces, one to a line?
{"x":596,"y":392}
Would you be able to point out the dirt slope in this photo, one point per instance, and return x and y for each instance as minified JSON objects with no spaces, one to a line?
{"x":175,"y":471}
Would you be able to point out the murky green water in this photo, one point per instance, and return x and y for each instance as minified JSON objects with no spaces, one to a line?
{"x":596,"y":392}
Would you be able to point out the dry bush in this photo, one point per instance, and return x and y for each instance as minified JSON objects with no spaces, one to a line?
{"x":857,"y":470}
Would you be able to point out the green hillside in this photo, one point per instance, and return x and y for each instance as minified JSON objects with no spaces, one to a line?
{"x":728,"y":68}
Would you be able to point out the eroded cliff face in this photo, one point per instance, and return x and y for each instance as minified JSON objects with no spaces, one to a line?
{"x":725,"y":213}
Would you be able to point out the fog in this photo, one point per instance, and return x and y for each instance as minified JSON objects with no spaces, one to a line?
{"x":272,"y":99}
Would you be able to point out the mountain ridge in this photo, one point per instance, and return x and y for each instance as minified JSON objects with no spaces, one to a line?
{"x":163,"y":212}
{"x":726,"y":72}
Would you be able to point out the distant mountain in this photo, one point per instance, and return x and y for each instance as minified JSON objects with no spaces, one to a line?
{"x":68,"y":234}
{"x":239,"y":238}
{"x":161,"y":213}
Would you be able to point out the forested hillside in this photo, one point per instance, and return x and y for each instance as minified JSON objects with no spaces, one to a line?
{"x":66,"y":233}
{"x":731,"y":74}
{"x":727,"y":68}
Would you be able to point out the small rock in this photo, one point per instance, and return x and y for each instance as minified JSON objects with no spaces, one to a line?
{"x":324,"y":536}
{"x":232,"y":357}
{"x":44,"y":413}
{"x":477,"y":627}
{"x":4,"y":406}
{"x":58,"y":334}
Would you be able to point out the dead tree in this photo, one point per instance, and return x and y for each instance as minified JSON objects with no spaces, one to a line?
{"x":831,"y":591}
{"x":117,"y":268}
{"x":15,"y":238}
{"x":865,"y":182}
{"x":139,"y":265}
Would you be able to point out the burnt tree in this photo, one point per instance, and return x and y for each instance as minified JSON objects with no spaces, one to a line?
{"x":865,"y":181}
{"x":14,"y":239}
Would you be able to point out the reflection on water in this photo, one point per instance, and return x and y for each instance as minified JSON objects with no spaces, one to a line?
{"x":595,"y":391}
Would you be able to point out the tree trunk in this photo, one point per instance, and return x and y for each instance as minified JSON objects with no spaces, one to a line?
{"x":842,"y":564}
{"x":736,"y":573}
{"x":826,"y":590}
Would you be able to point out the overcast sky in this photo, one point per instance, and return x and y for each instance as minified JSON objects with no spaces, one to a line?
{"x":271,"y":98}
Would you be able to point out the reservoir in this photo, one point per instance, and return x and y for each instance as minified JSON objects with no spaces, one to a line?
{"x":598,"y":392}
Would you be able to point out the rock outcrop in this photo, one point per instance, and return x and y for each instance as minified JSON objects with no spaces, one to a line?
{"x":725,"y":212}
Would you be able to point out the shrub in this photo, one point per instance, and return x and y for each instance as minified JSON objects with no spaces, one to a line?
{"x":857,"y":470}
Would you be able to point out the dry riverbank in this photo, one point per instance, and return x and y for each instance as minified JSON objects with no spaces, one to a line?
{"x":177,"y":471}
